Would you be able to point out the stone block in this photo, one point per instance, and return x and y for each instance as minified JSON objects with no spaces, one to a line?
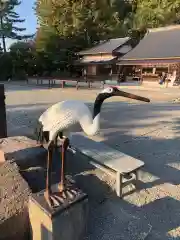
{"x":67,"y":222}
{"x":23,"y":150}
{"x":14,"y":195}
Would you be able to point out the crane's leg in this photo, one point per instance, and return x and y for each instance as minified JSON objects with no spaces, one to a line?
{"x":65,"y":145}
{"x":48,"y":190}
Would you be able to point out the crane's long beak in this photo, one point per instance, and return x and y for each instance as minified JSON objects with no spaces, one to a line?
{"x":132,"y":96}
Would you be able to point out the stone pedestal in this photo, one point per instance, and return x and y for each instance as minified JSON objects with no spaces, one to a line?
{"x":20,"y":158}
{"x":66,"y":222}
{"x":14,"y":195}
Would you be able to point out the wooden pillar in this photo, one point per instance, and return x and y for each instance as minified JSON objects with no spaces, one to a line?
{"x":3,"y":124}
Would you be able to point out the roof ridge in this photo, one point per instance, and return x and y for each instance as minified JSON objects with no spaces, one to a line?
{"x":166,"y":28}
{"x":97,"y":45}
{"x":108,"y":42}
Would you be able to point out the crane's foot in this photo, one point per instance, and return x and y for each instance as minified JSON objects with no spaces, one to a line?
{"x":56,"y":199}
{"x":61,"y":187}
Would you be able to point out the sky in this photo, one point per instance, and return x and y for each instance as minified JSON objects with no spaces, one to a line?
{"x":26,"y":12}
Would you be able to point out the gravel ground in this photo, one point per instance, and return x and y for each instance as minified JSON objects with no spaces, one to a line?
{"x":149,"y":132}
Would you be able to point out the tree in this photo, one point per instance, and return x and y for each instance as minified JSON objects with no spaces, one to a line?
{"x":23,"y":56}
{"x":155,"y":13}
{"x":6,"y":66}
{"x":8,"y":20}
{"x":22,"y":46}
{"x":88,"y":21}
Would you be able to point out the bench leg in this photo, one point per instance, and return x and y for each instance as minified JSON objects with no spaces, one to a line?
{"x":119,"y":184}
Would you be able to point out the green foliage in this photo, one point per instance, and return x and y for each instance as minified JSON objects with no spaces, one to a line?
{"x":6,"y":66}
{"x":155,"y":13}
{"x":87,"y":20}
{"x":22,"y":46}
{"x":23,"y":57}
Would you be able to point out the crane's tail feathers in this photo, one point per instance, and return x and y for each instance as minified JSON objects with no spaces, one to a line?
{"x":39,"y":133}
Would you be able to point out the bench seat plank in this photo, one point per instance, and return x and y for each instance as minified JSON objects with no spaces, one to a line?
{"x":105,"y":155}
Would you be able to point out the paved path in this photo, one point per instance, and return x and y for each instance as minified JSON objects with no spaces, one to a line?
{"x":150,"y":132}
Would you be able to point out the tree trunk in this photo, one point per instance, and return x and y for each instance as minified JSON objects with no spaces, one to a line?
{"x":3,"y":37}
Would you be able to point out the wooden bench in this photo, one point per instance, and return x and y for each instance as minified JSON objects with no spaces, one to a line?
{"x":51,"y":81}
{"x":113,"y":162}
{"x":63,"y":82}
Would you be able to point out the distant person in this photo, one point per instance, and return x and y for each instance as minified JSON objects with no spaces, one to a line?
{"x":122,"y":77}
{"x":84,"y":73}
{"x":163,"y":78}
{"x":9,"y":77}
{"x":110,"y":72}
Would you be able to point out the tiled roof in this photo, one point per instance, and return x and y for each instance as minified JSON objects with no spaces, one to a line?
{"x":106,"y":47}
{"x":158,"y":43}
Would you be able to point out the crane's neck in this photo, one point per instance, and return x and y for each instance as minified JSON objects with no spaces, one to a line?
{"x":91,"y":126}
{"x":97,"y":106}
{"x":94,"y":127}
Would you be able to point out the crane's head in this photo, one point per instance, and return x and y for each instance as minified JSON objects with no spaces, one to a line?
{"x":114,"y":91}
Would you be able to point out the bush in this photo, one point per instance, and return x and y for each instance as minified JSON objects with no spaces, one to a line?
{"x":20,"y":75}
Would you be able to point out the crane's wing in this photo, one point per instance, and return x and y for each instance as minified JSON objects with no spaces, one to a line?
{"x":63,"y":115}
